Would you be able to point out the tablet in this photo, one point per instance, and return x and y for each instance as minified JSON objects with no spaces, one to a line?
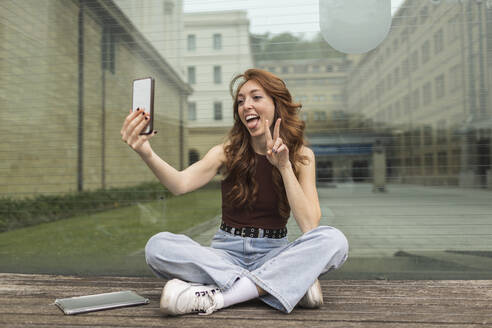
{"x":97,"y":302}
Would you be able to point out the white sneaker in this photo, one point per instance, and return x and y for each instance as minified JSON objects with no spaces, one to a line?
{"x":313,"y":298}
{"x":180,"y":297}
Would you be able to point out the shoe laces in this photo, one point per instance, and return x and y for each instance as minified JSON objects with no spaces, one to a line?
{"x":204,"y":302}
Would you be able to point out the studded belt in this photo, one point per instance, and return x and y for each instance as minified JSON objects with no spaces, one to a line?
{"x":254,"y":232}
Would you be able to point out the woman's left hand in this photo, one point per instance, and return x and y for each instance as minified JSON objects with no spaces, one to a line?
{"x":277,"y":151}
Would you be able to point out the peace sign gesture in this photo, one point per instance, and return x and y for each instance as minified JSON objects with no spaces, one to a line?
{"x":277,"y":151}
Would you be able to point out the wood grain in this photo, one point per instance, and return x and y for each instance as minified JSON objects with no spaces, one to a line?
{"x":26,"y":300}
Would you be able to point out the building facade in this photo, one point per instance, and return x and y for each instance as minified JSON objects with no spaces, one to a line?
{"x":161,"y":23}
{"x":341,"y":142}
{"x":428,"y":84}
{"x":66,"y":90}
{"x":217,"y":47}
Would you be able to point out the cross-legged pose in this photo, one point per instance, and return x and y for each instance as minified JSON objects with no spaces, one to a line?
{"x":265,"y":178}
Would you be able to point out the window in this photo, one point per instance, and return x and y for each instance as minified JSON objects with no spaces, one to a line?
{"x":424,"y":13}
{"x":416,"y":99}
{"x":455,"y":160}
{"x":192,"y":111}
{"x":217,"y":41}
{"x":319,"y":116}
{"x":426,"y":94}
{"x":193,"y":156}
{"x":440,"y":86}
{"x":217,"y":110}
{"x":414,"y":61}
{"x":416,"y":138}
{"x":438,"y":41}
{"x":285,"y":69}
{"x":428,"y":135}
{"x":404,"y":35}
{"x":396,"y":109}
{"x":404,"y":66}
{"x":389,"y":114}
{"x":168,"y":7}
{"x":300,"y":69}
{"x":191,"y":75}
{"x":429,"y":163}
{"x":408,"y":139}
{"x":406,"y":103}
{"x":315,"y":68}
{"x":453,"y":29}
{"x":454,"y":78}
{"x":304,"y":116}
{"x":301,"y":98}
{"x":442,"y":162}
{"x":396,"y":77}
{"x":329,"y":68}
{"x":191,"y":42}
{"x":425,"y":52}
{"x":217,"y":75}
{"x":441,"y":132}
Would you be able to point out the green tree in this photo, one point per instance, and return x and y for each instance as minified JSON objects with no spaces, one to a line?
{"x":287,"y":46}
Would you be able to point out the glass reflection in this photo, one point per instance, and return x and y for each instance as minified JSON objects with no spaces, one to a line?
{"x":402,"y":134}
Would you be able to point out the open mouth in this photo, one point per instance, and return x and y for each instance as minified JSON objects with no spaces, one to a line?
{"x":252,"y":121}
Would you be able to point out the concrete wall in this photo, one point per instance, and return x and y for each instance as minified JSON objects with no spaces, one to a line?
{"x":39,"y":97}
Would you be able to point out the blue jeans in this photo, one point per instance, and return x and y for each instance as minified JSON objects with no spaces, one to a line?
{"x":284,"y":270}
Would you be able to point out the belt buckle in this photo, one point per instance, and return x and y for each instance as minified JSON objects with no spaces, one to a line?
{"x":249,"y":232}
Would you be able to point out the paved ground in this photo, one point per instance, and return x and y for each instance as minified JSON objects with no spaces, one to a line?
{"x":409,"y":218}
{"x":405,"y":218}
{"x":406,"y":232}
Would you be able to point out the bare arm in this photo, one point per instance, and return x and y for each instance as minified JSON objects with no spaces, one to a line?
{"x":302,"y":194}
{"x":178,"y":182}
{"x":193,"y":177}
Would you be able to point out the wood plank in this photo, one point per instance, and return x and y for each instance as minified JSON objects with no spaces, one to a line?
{"x":201,"y":321}
{"x":26,"y":300}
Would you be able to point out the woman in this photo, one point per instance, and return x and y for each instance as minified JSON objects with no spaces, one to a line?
{"x":266,"y":178}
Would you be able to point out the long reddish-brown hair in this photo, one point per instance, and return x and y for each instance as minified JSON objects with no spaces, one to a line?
{"x":240,"y":156}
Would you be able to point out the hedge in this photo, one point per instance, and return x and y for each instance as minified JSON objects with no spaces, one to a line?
{"x":18,"y":213}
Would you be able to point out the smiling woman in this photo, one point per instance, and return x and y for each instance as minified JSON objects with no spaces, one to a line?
{"x":412,"y":117}
{"x":266,"y":178}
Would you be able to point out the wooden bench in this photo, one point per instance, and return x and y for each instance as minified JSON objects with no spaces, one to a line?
{"x":26,"y":300}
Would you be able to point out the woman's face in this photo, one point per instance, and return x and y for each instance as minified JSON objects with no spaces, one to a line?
{"x":254,"y":107}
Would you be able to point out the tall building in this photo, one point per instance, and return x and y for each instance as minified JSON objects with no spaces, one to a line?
{"x":161,"y":22}
{"x":428,"y":83}
{"x":342,"y":151}
{"x":217,"y":48}
{"x":65,"y":97}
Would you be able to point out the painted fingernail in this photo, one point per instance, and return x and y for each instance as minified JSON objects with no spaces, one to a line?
{"x":143,"y":113}
{"x":155,"y":132}
{"x":146,"y":118}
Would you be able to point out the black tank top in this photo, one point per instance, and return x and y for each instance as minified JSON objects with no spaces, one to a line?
{"x":264,"y":213}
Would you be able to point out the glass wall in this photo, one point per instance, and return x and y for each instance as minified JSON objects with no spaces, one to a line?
{"x":401,"y":134}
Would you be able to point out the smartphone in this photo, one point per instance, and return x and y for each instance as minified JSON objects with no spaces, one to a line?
{"x":143,"y":98}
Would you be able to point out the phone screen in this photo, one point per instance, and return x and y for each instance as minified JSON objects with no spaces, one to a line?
{"x":143,"y":97}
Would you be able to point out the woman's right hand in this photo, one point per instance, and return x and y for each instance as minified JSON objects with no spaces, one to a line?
{"x":134,"y":123}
